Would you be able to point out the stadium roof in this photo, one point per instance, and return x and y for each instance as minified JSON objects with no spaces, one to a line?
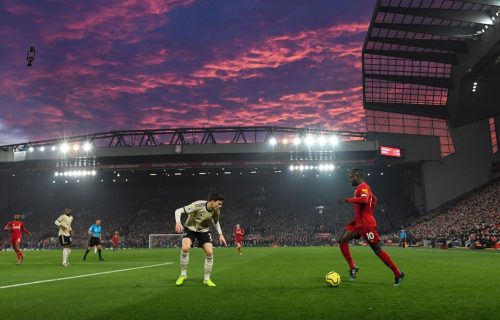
{"x":420,"y":57}
{"x":191,"y":148}
{"x":185,"y":136}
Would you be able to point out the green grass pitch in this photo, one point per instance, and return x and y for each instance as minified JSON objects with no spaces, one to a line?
{"x":264,"y":283}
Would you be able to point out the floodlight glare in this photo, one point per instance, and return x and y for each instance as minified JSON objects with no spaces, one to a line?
{"x":64,"y":147}
{"x":309,"y":140}
{"x":87,"y":146}
{"x":31,"y":149}
{"x":321,"y":140}
{"x":292,"y":168}
{"x":42,"y":149}
{"x":273,"y":141}
{"x":334,"y":140}
{"x":76,"y":147}
{"x":53,"y":148}
{"x":296,"y":141}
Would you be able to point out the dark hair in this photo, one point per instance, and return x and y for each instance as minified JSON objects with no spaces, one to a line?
{"x":68,"y":208}
{"x":358,"y":172}
{"x":215,"y":196}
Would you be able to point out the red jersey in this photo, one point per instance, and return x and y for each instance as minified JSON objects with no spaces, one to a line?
{"x":116,"y":238}
{"x":16,"y":228}
{"x":364,"y":202}
{"x":238,"y":234}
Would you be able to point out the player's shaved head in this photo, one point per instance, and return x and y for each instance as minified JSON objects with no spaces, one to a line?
{"x":356,"y":177}
{"x":357,"y":172}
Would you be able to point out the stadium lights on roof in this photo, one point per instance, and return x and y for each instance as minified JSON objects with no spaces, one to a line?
{"x":64,"y":147}
{"x":273,"y":141}
{"x":321,"y":140}
{"x":53,"y":148}
{"x":334,"y":140}
{"x":285,"y":141}
{"x":31,"y":149}
{"x":42,"y":149}
{"x":296,"y":141}
{"x":310,"y":140}
{"x":292,"y":168}
{"x":76,"y":147}
{"x":87,"y":146}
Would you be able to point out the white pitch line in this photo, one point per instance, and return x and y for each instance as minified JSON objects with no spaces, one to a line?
{"x":83,"y":276}
{"x":29,"y":263}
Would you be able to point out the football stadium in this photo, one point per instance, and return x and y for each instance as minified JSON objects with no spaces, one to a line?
{"x":196,"y":159}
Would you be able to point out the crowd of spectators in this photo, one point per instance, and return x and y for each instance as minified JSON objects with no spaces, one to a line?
{"x":272,"y":209}
{"x":472,"y":220}
{"x":286,"y":210}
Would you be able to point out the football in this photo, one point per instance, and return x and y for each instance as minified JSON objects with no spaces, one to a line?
{"x":332,"y":279}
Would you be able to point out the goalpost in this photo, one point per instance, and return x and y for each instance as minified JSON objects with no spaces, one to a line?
{"x":165,"y":240}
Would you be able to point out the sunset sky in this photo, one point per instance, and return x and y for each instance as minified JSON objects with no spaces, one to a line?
{"x":145,"y":64}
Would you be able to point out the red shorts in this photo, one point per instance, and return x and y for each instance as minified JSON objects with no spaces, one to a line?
{"x":239,"y":242}
{"x":16,"y":241}
{"x":115,"y":243}
{"x":369,"y":233}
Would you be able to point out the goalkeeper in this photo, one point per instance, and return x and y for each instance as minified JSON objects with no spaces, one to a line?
{"x":200,"y":213}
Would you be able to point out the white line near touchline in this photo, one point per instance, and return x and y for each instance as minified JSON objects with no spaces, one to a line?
{"x":79,"y":263}
{"x":83,"y":275}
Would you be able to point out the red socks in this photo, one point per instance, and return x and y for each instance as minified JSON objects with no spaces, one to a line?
{"x":384,"y":256}
{"x":344,"y":247}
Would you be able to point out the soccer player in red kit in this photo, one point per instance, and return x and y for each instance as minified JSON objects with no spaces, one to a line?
{"x":116,"y":240}
{"x":16,"y":228}
{"x":364,"y":225}
{"x":238,"y":238}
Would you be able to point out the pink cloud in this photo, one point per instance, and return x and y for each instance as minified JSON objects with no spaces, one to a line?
{"x":153,"y":58}
{"x":330,"y":109}
{"x":116,"y":20}
{"x":18,"y":9}
{"x":317,"y":45}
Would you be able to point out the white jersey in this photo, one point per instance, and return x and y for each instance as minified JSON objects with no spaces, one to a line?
{"x":64,"y":225}
{"x":199,"y":216}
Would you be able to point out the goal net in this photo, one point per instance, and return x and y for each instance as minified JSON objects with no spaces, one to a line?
{"x":165,"y":240}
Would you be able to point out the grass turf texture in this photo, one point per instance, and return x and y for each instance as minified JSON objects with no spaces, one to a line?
{"x":264,"y":283}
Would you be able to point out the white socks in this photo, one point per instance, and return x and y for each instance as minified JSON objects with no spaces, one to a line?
{"x":66,"y":252}
{"x":209,"y":262}
{"x":184,"y":263}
